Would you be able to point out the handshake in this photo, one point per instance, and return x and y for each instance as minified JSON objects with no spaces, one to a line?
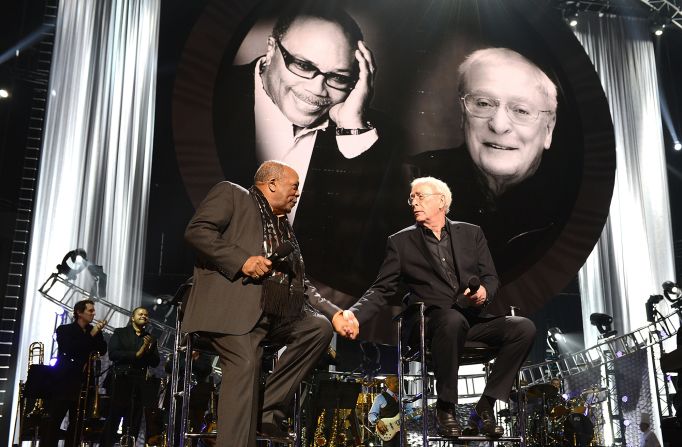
{"x":345,"y":324}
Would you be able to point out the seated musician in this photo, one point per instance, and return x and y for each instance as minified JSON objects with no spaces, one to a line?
{"x":132,"y":350}
{"x":437,"y":259}
{"x":385,"y":406}
{"x":76,"y":341}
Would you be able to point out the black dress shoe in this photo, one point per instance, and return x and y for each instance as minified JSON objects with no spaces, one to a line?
{"x":447,"y":424}
{"x":488,"y":427}
{"x":270,"y":430}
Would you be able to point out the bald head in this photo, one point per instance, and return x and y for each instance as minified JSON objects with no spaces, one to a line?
{"x":279,"y":184}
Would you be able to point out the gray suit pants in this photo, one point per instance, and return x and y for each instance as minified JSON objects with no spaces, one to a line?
{"x":240,"y":362}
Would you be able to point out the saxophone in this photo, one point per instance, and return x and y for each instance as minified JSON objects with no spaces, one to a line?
{"x":335,"y":426}
{"x":320,"y":440}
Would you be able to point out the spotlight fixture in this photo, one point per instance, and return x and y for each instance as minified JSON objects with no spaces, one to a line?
{"x":677,"y":146}
{"x":72,"y":264}
{"x":4,"y":94}
{"x":603,"y":322}
{"x":554,"y":337}
{"x":573,"y":20}
{"x":672,"y":293}
{"x":99,"y":289}
{"x":651,"y":312}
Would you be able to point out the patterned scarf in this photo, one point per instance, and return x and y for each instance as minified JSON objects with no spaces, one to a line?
{"x":283,"y":289}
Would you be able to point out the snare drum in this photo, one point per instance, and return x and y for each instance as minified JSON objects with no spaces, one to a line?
{"x":578,"y":406}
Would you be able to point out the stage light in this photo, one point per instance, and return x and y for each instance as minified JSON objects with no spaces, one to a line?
{"x":4,"y":94}
{"x":573,"y":20}
{"x":677,"y":146}
{"x":554,"y":337}
{"x":603,"y":324}
{"x":72,"y":264}
{"x":670,"y":288}
{"x":99,"y":289}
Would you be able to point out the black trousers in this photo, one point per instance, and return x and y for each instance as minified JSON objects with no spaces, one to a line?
{"x":57,"y":409}
{"x":240,"y":361}
{"x":448,"y":329}
{"x":127,"y":399}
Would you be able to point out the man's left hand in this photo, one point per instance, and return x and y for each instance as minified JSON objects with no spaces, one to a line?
{"x":346,"y":325}
{"x":478,"y":298}
{"x":349,"y":114}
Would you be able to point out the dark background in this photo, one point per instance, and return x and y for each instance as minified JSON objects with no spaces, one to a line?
{"x":169,"y":263}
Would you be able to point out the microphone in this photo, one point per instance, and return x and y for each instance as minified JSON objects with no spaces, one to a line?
{"x":473,"y":284}
{"x":281,"y":252}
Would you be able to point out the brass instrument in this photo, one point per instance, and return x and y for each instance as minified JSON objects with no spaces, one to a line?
{"x":335,"y":426}
{"x":36,"y":356}
{"x":88,"y":402}
{"x":320,"y":440}
{"x":29,"y":420}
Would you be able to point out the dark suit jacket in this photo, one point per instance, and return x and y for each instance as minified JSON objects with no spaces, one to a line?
{"x":520,"y":225}
{"x":124,"y":344}
{"x":225,"y":231}
{"x":348,"y":206}
{"x":75,"y":346}
{"x":409,"y":261}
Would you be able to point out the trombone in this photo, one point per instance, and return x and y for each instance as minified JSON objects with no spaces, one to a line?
{"x":88,"y":402}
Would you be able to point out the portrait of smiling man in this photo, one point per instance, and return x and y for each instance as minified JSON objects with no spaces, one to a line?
{"x":509,"y":111}
{"x":305,"y":102}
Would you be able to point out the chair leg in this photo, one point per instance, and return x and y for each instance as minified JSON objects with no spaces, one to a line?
{"x":186,"y":390}
{"x":424,"y":376}
{"x":175,"y":376}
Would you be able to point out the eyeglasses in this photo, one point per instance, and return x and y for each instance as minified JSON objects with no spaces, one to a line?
{"x":485,"y":107}
{"x":420,"y":196}
{"x":308,"y":70}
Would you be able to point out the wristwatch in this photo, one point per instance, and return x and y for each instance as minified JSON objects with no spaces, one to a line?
{"x":343,"y":131}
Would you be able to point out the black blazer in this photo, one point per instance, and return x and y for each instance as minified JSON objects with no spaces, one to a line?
{"x":409,"y":261}
{"x":348,"y":206}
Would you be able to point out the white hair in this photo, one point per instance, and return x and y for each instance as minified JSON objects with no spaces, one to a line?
{"x":439,"y":186}
{"x":546,"y":85}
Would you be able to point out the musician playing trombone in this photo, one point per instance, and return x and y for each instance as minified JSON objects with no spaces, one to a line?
{"x":76,"y":341}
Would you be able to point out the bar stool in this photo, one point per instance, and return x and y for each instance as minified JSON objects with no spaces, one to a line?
{"x":473,"y":353}
{"x":185,"y":344}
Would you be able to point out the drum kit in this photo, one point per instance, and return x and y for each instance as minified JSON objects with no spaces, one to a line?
{"x":555,"y":420}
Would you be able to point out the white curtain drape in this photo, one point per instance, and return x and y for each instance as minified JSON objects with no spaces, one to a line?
{"x":635,"y":252}
{"x":97,"y":150}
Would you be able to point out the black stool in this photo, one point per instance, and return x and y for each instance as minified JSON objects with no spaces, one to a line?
{"x":186,"y":343}
{"x":473,"y":353}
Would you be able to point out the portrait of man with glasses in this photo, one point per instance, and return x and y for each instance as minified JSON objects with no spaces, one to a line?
{"x":508,"y":107}
{"x":306,"y":102}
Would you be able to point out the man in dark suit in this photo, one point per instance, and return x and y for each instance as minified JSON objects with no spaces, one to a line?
{"x":436,"y":259}
{"x":306,"y":103}
{"x":132,"y":350}
{"x":241,"y":297}
{"x":76,"y":341}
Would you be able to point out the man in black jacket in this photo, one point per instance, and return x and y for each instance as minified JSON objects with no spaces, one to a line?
{"x":76,"y":341}
{"x":132,"y":350}
{"x":437,"y":259}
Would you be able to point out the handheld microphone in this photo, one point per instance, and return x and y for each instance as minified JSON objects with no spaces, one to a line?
{"x":473,"y":284}
{"x":281,"y":252}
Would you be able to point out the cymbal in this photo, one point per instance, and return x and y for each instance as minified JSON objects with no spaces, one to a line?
{"x":593,"y":390}
{"x":546,"y":389}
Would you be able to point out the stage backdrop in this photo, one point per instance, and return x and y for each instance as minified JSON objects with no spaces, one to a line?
{"x":540,"y":233}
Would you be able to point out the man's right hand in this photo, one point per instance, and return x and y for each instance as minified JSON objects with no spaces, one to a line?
{"x":381,"y":426}
{"x":256,"y":267}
